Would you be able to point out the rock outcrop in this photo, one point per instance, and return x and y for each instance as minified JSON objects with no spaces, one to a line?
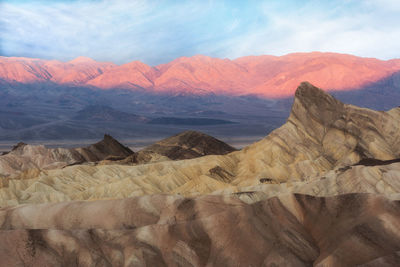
{"x":188,"y":145}
{"x":321,"y":134}
{"x":106,"y":148}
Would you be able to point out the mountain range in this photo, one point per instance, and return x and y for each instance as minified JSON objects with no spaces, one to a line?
{"x":266,"y":76}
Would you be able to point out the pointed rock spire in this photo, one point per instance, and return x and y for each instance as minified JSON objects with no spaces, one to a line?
{"x":312,"y":103}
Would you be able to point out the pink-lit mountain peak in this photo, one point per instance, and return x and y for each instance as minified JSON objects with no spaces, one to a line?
{"x":82,"y":60}
{"x":268,"y":76}
{"x":128,"y":76}
{"x":135,"y":65}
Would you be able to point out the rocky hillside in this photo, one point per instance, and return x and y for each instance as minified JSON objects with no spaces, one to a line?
{"x":161,"y":230}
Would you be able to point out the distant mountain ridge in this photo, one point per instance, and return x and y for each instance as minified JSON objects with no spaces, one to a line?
{"x":267,"y":76}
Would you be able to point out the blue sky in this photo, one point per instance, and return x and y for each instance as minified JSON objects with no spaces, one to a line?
{"x":158,"y":31}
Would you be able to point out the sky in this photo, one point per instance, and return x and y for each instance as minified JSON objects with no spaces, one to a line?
{"x":156,"y":31}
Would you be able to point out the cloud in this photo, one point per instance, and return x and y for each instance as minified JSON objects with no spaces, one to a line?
{"x":344,"y":26}
{"x":159,"y":31}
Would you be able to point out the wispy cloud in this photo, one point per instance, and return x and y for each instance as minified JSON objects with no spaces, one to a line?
{"x":159,"y":31}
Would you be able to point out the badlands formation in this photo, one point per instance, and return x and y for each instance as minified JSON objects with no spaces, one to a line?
{"x":28,"y":158}
{"x":321,"y":190}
